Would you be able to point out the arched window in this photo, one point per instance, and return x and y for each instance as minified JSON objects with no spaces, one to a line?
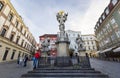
{"x":1,"y":5}
{"x":12,"y":36}
{"x":3,"y":32}
{"x":114,"y":2}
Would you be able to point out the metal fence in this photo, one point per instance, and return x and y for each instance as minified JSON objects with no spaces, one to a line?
{"x":81,"y":61}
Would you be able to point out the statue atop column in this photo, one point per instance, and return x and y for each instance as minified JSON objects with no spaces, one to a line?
{"x":61,"y":18}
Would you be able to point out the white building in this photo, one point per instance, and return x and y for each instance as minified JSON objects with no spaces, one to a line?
{"x":72,"y":35}
{"x":90,"y":43}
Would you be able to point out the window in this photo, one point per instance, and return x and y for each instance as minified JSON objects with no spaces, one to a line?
{"x":24,"y":33}
{"x":100,"y":21}
{"x":113,"y":37}
{"x":87,"y":42}
{"x":17,"y":40}
{"x":22,"y":42}
{"x":10,"y":17}
{"x":25,"y":45}
{"x":107,"y":11}
{"x":1,"y":5}
{"x":119,"y":10}
{"x":3,"y":32}
{"x":108,"y":27}
{"x":13,"y":53}
{"x":16,"y":24}
{"x":11,"y":37}
{"x":114,"y":2}
{"x":117,"y":33}
{"x":92,"y":42}
{"x":113,"y":22}
{"x":21,"y":28}
{"x":103,"y":16}
{"x":89,"y":48}
{"x":5,"y":54}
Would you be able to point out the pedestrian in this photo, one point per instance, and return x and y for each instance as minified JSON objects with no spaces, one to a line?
{"x":25,"y":60}
{"x":35,"y":59}
{"x":21,"y":61}
{"x":18,"y":59}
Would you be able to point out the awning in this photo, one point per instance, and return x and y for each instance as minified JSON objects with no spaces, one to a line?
{"x":97,"y":52}
{"x":117,"y":49}
{"x":106,"y":50}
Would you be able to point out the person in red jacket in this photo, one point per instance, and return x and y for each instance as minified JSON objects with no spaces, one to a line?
{"x":35,"y":59}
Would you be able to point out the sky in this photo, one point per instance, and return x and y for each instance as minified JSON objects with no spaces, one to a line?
{"x":40,"y":15}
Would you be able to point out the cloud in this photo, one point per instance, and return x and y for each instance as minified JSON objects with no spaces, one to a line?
{"x":40,"y":15}
{"x":86,"y":22}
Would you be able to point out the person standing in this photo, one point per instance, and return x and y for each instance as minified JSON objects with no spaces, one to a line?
{"x":21,"y":61}
{"x":35,"y":59}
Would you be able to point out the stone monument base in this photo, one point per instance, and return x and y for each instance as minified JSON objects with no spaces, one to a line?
{"x":63,"y":58}
{"x":82,"y":53}
{"x":62,"y":48}
{"x":63,"y":61}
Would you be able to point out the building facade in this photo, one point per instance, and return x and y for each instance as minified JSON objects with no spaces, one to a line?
{"x":90,"y":43}
{"x":15,"y":38}
{"x":107,"y":30}
{"x":72,"y":35}
{"x":52,"y":46}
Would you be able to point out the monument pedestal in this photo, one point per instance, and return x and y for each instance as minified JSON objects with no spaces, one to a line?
{"x":82,"y":53}
{"x":62,"y":48}
{"x":63,"y":58}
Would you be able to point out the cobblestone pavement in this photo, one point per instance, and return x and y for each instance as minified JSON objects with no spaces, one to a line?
{"x":13,"y":70}
{"x":110,"y":68}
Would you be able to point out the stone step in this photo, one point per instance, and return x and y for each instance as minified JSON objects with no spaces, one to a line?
{"x":63,"y":71}
{"x":64,"y":75}
{"x":71,"y":68}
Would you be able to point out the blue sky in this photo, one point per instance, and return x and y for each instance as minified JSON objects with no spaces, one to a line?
{"x":40,"y":15}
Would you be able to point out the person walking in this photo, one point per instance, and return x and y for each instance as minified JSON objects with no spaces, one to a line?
{"x":25,"y":60}
{"x":21,"y":61}
{"x":35,"y":59}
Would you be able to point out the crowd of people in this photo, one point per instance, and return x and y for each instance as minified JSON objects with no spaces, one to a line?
{"x":22,"y":60}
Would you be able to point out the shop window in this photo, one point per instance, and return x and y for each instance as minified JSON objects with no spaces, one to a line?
{"x":5,"y":54}
{"x":13,"y":53}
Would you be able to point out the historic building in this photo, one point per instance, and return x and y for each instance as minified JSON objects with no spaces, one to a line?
{"x":107,"y":30}
{"x":51,"y":39}
{"x":15,"y":38}
{"x":90,"y":43}
{"x":72,"y":35}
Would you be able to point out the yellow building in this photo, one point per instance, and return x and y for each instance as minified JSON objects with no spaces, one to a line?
{"x":15,"y":38}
